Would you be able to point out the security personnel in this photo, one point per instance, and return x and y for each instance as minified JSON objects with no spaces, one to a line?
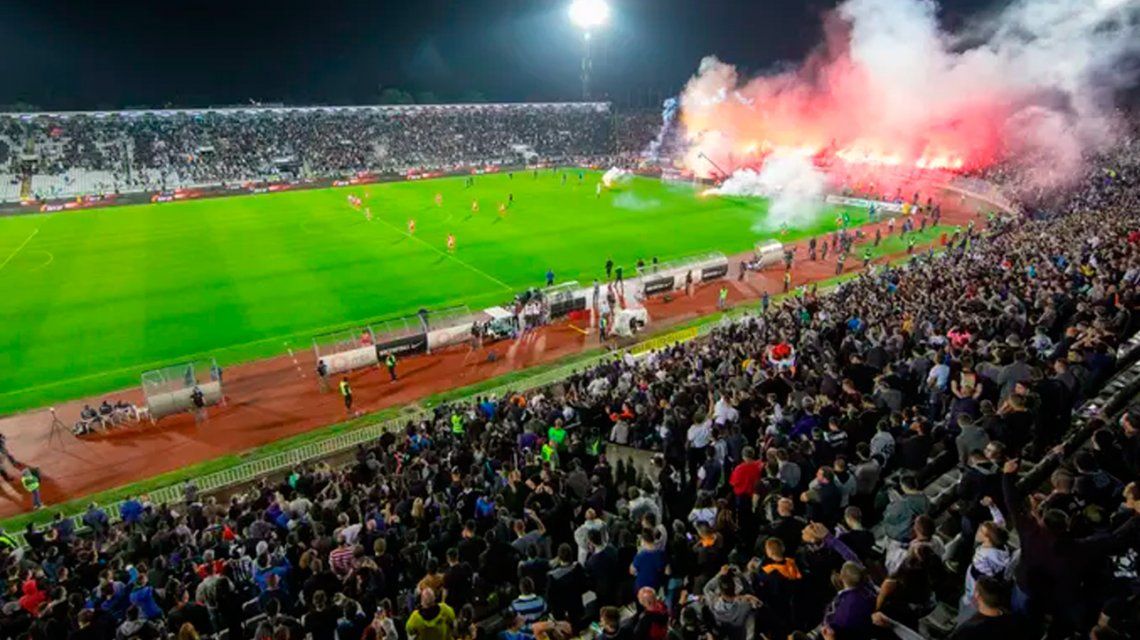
{"x":549,"y":454}
{"x":866,"y":257}
{"x":323,"y":375}
{"x":390,"y":362}
{"x":31,"y":481}
{"x":457,"y":426}
{"x":346,"y":391}
{"x":199,"y":400}
{"x":7,"y":541}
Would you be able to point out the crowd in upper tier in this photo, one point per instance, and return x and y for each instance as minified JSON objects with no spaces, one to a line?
{"x":105,"y":153}
{"x":785,"y":496}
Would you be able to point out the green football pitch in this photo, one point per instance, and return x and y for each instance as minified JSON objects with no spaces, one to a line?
{"x":89,"y":299}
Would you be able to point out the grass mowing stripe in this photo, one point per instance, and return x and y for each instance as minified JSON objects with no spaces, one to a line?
{"x":19,"y":248}
{"x":134,"y":287}
{"x":445,"y":254}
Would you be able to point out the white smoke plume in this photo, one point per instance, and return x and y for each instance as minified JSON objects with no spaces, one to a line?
{"x":668,"y":118}
{"x":794,"y":186}
{"x":615,"y":177}
{"x":1034,"y":80}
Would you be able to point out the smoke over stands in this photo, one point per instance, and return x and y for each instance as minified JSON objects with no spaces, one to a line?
{"x":888,"y":88}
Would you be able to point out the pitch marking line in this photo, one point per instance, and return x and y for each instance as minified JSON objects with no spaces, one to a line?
{"x":446,"y":255}
{"x":19,"y":248}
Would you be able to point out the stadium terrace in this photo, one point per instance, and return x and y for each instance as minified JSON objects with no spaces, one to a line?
{"x":906,"y":411}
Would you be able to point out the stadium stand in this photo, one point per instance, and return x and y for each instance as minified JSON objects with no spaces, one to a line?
{"x":846,"y":464}
{"x":97,"y":153}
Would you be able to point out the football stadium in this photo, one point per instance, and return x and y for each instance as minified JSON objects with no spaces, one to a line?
{"x":514,"y":344}
{"x":282,"y":267}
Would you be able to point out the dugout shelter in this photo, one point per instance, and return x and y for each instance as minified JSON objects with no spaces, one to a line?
{"x":565,"y":298}
{"x":170,"y":390}
{"x":768,"y":253}
{"x":668,"y":276}
{"x":346,"y":349}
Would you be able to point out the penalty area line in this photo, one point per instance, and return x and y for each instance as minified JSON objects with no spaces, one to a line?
{"x":446,"y":255}
{"x":19,"y":248}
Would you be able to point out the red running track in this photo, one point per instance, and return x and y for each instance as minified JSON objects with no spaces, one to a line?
{"x":276,"y":398}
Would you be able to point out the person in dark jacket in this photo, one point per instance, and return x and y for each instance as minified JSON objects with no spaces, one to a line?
{"x":823,"y":498}
{"x":914,"y":448}
{"x":565,"y":585}
{"x":849,"y":614}
{"x":1048,"y":576}
{"x":993,"y":620}
{"x":189,"y":611}
{"x":603,"y":569}
{"x":900,"y":514}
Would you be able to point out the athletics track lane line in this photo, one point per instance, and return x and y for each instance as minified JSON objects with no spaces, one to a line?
{"x":19,"y":248}
{"x":445,"y":254}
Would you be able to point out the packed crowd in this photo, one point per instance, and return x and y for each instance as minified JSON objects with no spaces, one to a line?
{"x":633,"y":132}
{"x":168,"y":150}
{"x":784,"y":497}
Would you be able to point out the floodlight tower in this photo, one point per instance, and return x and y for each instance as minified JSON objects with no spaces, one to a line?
{"x":588,"y":15}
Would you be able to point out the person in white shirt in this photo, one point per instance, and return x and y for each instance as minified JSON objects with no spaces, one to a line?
{"x":582,"y":534}
{"x":724,"y":412}
{"x":698,"y":437}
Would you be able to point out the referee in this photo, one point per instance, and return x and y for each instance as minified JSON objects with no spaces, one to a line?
{"x":346,"y":391}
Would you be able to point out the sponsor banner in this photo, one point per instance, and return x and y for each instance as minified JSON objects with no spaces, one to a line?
{"x":357,"y":358}
{"x":177,"y":194}
{"x":403,"y":346}
{"x":560,"y":308}
{"x":667,"y":340}
{"x":714,"y":272}
{"x":49,"y":208}
{"x":281,"y":186}
{"x":424,"y":175}
{"x":863,"y":203}
{"x":365,"y":178}
{"x":662,"y":284}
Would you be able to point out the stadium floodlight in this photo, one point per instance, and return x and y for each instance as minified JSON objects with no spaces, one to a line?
{"x":588,"y":15}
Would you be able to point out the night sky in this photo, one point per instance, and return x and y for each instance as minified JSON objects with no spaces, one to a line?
{"x":85,"y":54}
